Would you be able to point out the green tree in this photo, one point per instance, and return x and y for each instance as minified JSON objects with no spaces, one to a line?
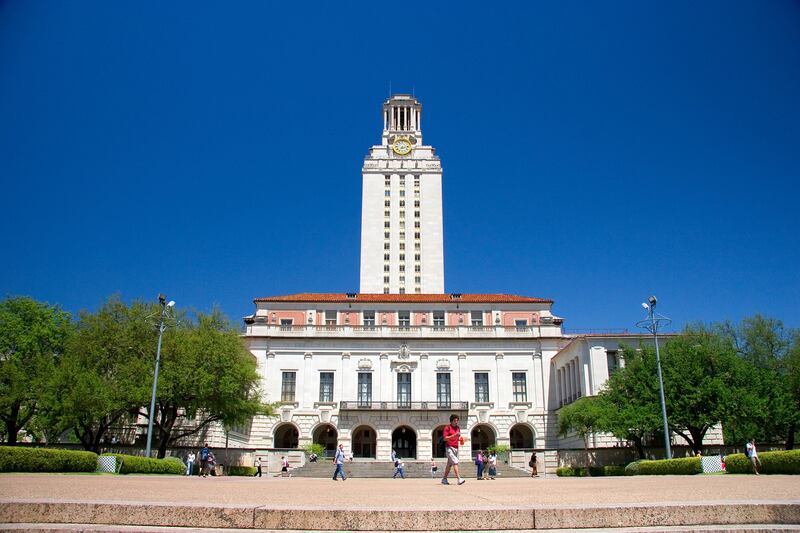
{"x":630,"y":402}
{"x":32,"y":339}
{"x":774,"y":412}
{"x":582,"y":417}
{"x":705,"y":384}
{"x":102,"y":378}
{"x":207,"y":375}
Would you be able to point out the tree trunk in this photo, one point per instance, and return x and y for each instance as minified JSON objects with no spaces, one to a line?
{"x":638,"y":445}
{"x":11,"y":424}
{"x":586,"y":449}
{"x":790,"y":436}
{"x":697,"y":438}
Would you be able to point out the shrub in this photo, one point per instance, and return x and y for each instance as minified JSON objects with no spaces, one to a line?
{"x":571,"y":471}
{"x":780,"y":462}
{"x":632,"y":469}
{"x":315,"y":448}
{"x":240,"y":471}
{"x":133,"y":464}
{"x":594,"y":471}
{"x":664,"y":467}
{"x":17,"y":459}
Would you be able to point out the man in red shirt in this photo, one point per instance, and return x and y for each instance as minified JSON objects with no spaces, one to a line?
{"x":452,"y":438}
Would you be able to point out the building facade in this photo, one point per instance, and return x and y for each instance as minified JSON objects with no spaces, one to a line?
{"x":384,"y":368}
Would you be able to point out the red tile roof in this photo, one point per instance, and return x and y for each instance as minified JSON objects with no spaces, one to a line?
{"x":404,"y":298}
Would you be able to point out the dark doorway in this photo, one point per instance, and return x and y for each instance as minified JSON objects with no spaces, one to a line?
{"x":286,"y":436}
{"x":521,"y":436}
{"x":326,"y":435}
{"x":438,"y":442}
{"x":364,"y":440}
{"x":482,"y":437}
{"x":404,"y":442}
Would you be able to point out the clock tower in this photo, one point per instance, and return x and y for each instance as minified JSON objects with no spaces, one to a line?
{"x":401,"y":207}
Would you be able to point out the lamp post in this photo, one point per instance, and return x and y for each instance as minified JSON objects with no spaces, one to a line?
{"x":651,"y":324}
{"x":161,"y":327}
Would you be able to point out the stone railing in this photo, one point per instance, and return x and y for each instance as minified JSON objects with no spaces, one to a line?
{"x":457,"y":332}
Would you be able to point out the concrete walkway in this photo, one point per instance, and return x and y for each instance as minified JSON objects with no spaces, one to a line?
{"x":411,"y":504}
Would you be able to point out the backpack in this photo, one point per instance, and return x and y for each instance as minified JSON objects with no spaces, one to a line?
{"x":440,"y":441}
{"x":747,"y":450}
{"x":204,"y":454}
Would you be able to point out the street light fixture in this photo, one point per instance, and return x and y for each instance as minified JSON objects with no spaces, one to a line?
{"x":165,"y":306}
{"x":651,"y":324}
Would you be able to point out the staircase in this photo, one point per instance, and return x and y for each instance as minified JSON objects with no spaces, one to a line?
{"x":385,"y":469}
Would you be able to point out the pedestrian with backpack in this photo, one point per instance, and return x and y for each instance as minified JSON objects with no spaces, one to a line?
{"x":204,"y":451}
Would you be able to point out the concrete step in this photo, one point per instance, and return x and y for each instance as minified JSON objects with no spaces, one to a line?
{"x":148,"y":515}
{"x":383,"y":469}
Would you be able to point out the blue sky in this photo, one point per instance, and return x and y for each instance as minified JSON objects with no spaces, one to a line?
{"x":593,"y":153}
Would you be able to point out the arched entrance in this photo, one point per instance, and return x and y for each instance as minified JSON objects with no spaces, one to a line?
{"x":404,"y":442}
{"x":285,"y":436}
{"x":364,"y":442}
{"x":482,"y":437}
{"x":438,"y":442}
{"x":521,"y":436}
{"x":326,"y":435}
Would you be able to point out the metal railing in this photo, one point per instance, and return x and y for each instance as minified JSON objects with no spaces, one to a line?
{"x":403,"y":406}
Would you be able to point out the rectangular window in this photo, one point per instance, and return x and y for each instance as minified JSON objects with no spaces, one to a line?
{"x":402,"y":290}
{"x":402,"y":192}
{"x":385,"y":257}
{"x":402,"y":257}
{"x":417,"y":268}
{"x":386,"y":279}
{"x":386,"y":246}
{"x":416,"y":224}
{"x":416,"y":235}
{"x":416,"y":214}
{"x":612,"y":360}
{"x":438,"y":319}
{"x":416,"y":204}
{"x":387,"y":192}
{"x":416,"y":246}
{"x":387,"y":203}
{"x":386,"y":224}
{"x":326,"y":386}
{"x":386,"y":214}
{"x":369,"y":318}
{"x":288,"y":386}
{"x":364,"y":389}
{"x":385,"y":234}
{"x":386,"y":290}
{"x":402,"y":268}
{"x":522,"y":325}
{"x":402,"y":214}
{"x":386,"y":268}
{"x":402,"y":203}
{"x":402,"y":235}
{"x":402,"y":246}
{"x":482,"y":387}
{"x":286,"y":324}
{"x":418,"y":279}
{"x":417,"y":257}
{"x":519,"y":385}
{"x":404,"y":390}
{"x":330,"y":317}
{"x":418,"y":290}
{"x":443,"y":390}
{"x":404,"y":318}
{"x":477,"y":318}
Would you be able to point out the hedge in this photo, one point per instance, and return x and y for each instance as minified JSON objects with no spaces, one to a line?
{"x":672,"y":467}
{"x":18,"y":459}
{"x":240,"y":470}
{"x":779,"y":462}
{"x":594,"y":471}
{"x":133,"y":464}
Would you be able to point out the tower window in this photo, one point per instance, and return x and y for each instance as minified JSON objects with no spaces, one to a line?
{"x":386,"y":279}
{"x":402,"y":192}
{"x":402,"y":290}
{"x":402,"y":257}
{"x":402,"y":235}
{"x":417,"y":257}
{"x":402,"y":246}
{"x":416,"y":214}
{"x":386,"y":290}
{"x":387,"y":192}
{"x":416,"y":246}
{"x":386,"y":213}
{"x":386,"y":246}
{"x":417,"y":268}
{"x":416,"y":223}
{"x":386,"y":224}
{"x":386,"y":268}
{"x":402,"y":214}
{"x":385,"y":257}
{"x":387,"y":203}
{"x":418,"y":279}
{"x":385,"y":234}
{"x":416,"y":235}
{"x":402,"y":268}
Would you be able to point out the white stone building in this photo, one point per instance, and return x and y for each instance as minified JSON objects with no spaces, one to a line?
{"x":384,"y":368}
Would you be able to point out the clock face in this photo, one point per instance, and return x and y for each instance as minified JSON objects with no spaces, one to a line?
{"x":401,"y":147}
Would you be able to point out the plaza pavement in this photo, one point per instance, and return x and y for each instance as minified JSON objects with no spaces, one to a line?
{"x":393,"y":504}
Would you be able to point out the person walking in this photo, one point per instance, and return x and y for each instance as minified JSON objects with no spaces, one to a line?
{"x":285,"y":467}
{"x":204,"y":451}
{"x":258,"y":467}
{"x":338,"y":460}
{"x":492,"y":464}
{"x":752,"y":453}
{"x":479,"y":464}
{"x":399,"y":470}
{"x":189,"y":463}
{"x":532,"y":464}
{"x":452,"y":438}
